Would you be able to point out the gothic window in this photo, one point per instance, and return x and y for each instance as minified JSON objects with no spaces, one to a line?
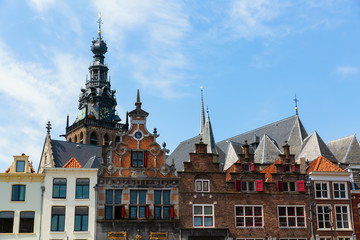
{"x":75,"y":139}
{"x":93,"y":139}
{"x":26,"y":222}
{"x":69,"y":139}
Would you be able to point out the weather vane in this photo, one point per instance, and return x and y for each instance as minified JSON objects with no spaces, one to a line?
{"x":100,"y":22}
{"x":296,"y":107}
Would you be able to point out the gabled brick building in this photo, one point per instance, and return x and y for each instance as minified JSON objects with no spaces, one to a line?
{"x":137,"y":191}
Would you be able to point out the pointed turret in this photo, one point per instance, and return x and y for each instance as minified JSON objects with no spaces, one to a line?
{"x":208,"y":136}
{"x":202,"y":114}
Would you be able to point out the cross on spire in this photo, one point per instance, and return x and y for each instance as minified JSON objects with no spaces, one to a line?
{"x":99,"y":21}
{"x":296,"y":107}
{"x":48,"y":127}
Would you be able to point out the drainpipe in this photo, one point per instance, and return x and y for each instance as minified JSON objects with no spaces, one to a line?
{"x":42,"y":197}
{"x":308,"y":184}
{"x":352,"y":217}
{"x":96,"y":188}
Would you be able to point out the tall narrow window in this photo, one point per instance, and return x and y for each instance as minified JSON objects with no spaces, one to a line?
{"x":93,"y":139}
{"x":26,"y":222}
{"x":162,"y":207}
{"x":18,"y":193}
{"x":82,"y":188}
{"x":113,"y":207}
{"x":138,"y":207}
{"x":57,"y":219}
{"x":323,"y":216}
{"x":81,"y":218}
{"x":20,"y":166}
{"x":6,"y":221}
{"x":59,"y":188}
{"x":342,"y":217}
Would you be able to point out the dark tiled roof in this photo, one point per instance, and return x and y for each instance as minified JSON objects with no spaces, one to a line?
{"x":346,"y":149}
{"x":64,"y":151}
{"x":267,"y":151}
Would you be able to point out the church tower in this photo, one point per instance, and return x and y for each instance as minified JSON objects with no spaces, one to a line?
{"x":97,"y":122}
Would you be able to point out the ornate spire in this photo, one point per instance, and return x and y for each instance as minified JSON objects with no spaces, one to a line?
{"x":202,"y":114}
{"x":100,"y":22}
{"x":48,"y":127}
{"x":138,"y":103}
{"x":208,"y":135}
{"x":296,"y":107}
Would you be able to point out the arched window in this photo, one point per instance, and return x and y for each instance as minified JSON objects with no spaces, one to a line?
{"x":69,"y":140}
{"x":81,"y":137}
{"x":75,"y":139}
{"x":106,"y":140}
{"x":93,"y":138}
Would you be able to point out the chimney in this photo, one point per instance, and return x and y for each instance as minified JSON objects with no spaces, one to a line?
{"x":246,"y":149}
{"x":287,"y":150}
{"x":201,"y":147}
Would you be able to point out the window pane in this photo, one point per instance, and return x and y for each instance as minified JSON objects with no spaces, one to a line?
{"x":300,"y":211}
{"x":291,"y":211}
{"x":166,"y":195}
{"x":133,"y":213}
{"x":108,"y":212}
{"x":77,"y":223}
{"x":166,"y":212}
{"x":197,"y":221}
{"x":133,"y":197}
{"x":118,"y":212}
{"x":197,"y":210}
{"x":257,"y":211}
{"x":118,"y":196}
{"x":6,"y":222}
{"x":20,"y":166}
{"x":142,"y":197}
{"x":109,"y":197}
{"x":208,"y":221}
{"x":251,"y":186}
{"x":205,"y":186}
{"x":61,"y":223}
{"x":26,"y":222}
{"x":207,"y":210}
{"x":85,"y":223}
{"x":282,"y":211}
{"x":142,"y":211}
{"x":248,"y":211}
{"x":157,"y":197}
{"x":157,"y":212}
{"x":198,"y":186}
{"x":239,"y":211}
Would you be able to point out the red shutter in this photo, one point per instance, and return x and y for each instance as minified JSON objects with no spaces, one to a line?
{"x":259,"y":185}
{"x":293,"y":168}
{"x":252,"y":167}
{"x":284,"y":168}
{"x":172,"y":212}
{"x":280,"y":186}
{"x":242,"y":167}
{"x":238,"y":185}
{"x":122,"y":212}
{"x":147,"y":211}
{"x":145,"y":159}
{"x":301,"y":185}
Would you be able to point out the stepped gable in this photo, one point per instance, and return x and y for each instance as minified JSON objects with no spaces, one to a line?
{"x":322,"y":164}
{"x":270,"y":169}
{"x":64,"y":151}
{"x":267,"y":151}
{"x":313,"y":147}
{"x":346,"y":149}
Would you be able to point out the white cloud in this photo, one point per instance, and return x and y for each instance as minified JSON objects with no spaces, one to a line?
{"x":40,"y":5}
{"x":161,"y":28}
{"x":346,"y":71}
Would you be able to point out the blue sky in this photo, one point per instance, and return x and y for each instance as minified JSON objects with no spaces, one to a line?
{"x":251,"y":57}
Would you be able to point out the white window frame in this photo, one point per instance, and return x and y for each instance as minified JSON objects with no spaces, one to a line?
{"x":247,"y":186}
{"x":262,"y":216}
{"x":202,"y":215}
{"x":250,"y":238}
{"x":317,"y":216}
{"x":325,"y":238}
{"x":202,"y":185}
{"x":344,"y":237}
{"x":291,"y":238}
{"x":348,"y":216}
{"x":287,"y":217}
{"x":346,"y":190}
{"x":327,"y":190}
{"x":288,"y":186}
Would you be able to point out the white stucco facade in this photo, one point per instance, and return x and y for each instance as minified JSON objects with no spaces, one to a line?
{"x":69,"y":203}
{"x":30,"y":202}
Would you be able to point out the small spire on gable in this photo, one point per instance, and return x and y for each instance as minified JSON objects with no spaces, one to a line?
{"x":296,"y":106}
{"x":202,"y":114}
{"x":208,"y":135}
{"x":138,"y":102}
{"x":48,"y":127}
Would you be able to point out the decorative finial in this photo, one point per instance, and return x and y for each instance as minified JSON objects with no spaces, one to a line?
{"x":296,"y":107}
{"x":100,"y":22}
{"x":138,"y":103}
{"x":48,"y":127}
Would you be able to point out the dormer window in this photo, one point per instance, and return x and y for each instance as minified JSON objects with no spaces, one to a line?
{"x":248,"y":167}
{"x":20,"y":166}
{"x":138,"y":159}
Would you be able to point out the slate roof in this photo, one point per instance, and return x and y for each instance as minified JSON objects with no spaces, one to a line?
{"x":346,"y":149}
{"x":267,"y":150}
{"x":64,"y":151}
{"x":313,"y":147}
{"x":322,"y":164}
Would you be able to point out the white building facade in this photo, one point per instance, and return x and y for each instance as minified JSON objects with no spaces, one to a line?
{"x":69,"y":203}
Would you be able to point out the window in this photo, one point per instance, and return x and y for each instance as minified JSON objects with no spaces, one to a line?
{"x":113,"y":207}
{"x":20,"y":166}
{"x":286,"y":168}
{"x":323,"y":216}
{"x":291,"y":216}
{"x":344,"y":238}
{"x":26,"y":222}
{"x":57,"y":218}
{"x":340,"y":190}
{"x":82,"y":188}
{"x":59,"y":188}
{"x":138,"y":159}
{"x":138,"y":207}
{"x":162,"y":207}
{"x":93,"y":139}
{"x":18,"y":193}
{"x":293,"y":239}
{"x":250,"y":239}
{"x":6,"y":222}
{"x":289,"y":187}
{"x":247,"y":186}
{"x":342,"y":216}
{"x":248,"y":216}
{"x":81,"y":218}
{"x":321,"y":190}
{"x":203,"y":215}
{"x":202,"y":185}
{"x":325,"y":238}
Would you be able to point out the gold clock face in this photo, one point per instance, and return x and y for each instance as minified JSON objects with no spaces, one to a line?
{"x":105,"y":113}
